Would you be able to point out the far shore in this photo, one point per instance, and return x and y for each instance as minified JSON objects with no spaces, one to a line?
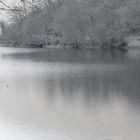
{"x":133,"y":43}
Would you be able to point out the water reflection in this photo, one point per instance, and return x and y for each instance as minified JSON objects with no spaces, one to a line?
{"x":96,"y":97}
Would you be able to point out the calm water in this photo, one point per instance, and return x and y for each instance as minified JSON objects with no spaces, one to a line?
{"x":69,"y":95}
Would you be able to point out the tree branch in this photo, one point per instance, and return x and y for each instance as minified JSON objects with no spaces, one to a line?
{"x":5,"y":5}
{"x":9,"y":8}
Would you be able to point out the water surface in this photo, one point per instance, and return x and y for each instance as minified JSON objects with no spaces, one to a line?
{"x":69,"y":94}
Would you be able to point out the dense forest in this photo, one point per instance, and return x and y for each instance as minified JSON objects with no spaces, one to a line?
{"x":72,"y":23}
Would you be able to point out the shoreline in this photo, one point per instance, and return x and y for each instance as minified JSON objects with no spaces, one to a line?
{"x":5,"y":45}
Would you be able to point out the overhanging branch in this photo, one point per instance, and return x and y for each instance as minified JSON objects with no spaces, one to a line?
{"x":8,"y":8}
{"x":5,"y":5}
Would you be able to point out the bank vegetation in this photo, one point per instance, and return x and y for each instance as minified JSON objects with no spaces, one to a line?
{"x":72,"y":23}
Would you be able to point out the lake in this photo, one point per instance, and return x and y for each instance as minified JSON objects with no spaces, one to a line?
{"x":51,"y":94}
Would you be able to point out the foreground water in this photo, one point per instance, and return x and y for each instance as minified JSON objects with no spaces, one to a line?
{"x":69,"y":95}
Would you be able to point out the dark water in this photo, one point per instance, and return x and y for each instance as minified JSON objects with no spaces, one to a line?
{"x":69,"y":94}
